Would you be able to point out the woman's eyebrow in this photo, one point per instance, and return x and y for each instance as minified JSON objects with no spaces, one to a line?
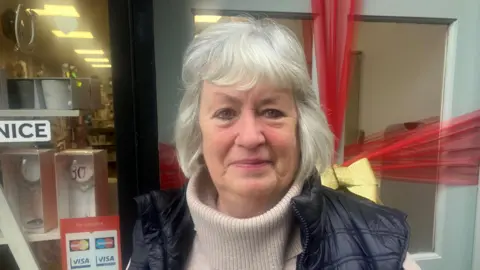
{"x":226,"y":97}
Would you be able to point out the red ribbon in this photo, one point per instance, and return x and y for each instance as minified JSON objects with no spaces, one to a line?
{"x":445,"y":152}
{"x":333,"y":30}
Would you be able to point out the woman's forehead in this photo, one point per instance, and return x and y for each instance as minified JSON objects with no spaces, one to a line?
{"x":240,"y":88}
{"x":258,"y":91}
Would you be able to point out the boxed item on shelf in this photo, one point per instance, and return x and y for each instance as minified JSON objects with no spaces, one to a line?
{"x":25,"y":94}
{"x":29,"y":186}
{"x":82,"y":183}
{"x":54,"y":93}
{"x":3,"y":90}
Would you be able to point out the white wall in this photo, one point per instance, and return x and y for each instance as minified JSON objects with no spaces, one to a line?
{"x":401,"y":80}
{"x":402,"y":72}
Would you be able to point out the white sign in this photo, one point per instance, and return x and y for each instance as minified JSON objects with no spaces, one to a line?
{"x":96,"y":250}
{"x":25,"y":131}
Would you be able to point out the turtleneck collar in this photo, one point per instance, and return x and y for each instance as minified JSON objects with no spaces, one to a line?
{"x":261,"y":242}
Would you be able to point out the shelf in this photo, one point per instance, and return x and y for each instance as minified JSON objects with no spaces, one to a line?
{"x":36,"y":237}
{"x":41,"y":113}
{"x":101,"y":130}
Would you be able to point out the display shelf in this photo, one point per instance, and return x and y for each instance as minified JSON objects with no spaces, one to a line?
{"x":41,"y":113}
{"x":36,"y":237}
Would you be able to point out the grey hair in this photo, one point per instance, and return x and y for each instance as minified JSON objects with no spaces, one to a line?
{"x":245,"y":53}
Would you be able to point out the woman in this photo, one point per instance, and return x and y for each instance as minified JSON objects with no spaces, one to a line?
{"x":249,"y":136}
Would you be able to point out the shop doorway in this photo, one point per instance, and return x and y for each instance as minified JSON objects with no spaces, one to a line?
{"x":69,"y":63}
{"x":401,"y":78}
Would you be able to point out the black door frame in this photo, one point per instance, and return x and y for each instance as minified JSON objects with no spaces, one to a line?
{"x":135,"y":107}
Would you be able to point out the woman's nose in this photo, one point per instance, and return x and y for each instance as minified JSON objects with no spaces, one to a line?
{"x":249,"y":133}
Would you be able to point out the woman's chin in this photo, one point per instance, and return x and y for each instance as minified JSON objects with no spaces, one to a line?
{"x":255,"y":186}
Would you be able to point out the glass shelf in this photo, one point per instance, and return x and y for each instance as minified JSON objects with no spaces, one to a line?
{"x":41,"y":113}
{"x":36,"y":237}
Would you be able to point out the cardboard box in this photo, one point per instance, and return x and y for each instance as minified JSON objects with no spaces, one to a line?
{"x":29,"y":185}
{"x":82,"y":183}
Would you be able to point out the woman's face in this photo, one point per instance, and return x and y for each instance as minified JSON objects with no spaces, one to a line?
{"x":250,"y":141}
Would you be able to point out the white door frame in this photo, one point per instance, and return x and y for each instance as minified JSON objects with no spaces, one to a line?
{"x":476,"y":244}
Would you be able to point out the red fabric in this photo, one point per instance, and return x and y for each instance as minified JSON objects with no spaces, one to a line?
{"x":445,"y":152}
{"x":333,"y":35}
{"x":307,"y":29}
{"x":171,"y":176}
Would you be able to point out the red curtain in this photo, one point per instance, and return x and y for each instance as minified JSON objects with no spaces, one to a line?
{"x":427,"y":150}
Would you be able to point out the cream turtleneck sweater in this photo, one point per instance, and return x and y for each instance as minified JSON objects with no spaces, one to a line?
{"x":263,"y":242}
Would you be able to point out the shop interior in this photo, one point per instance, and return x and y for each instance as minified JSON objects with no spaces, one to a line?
{"x":65,"y":40}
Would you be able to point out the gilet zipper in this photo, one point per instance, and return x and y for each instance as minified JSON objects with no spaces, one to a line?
{"x":303,"y":223}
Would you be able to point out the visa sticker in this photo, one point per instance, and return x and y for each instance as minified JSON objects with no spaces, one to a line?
{"x":79,"y":263}
{"x":106,"y":261}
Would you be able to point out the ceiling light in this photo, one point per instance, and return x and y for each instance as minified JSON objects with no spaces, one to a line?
{"x":100,"y":52}
{"x":73,"y":34}
{"x":102,"y":65}
{"x":207,"y":18}
{"x":57,"y":10}
{"x":97,"y":60}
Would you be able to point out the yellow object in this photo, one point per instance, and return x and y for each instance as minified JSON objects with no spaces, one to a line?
{"x":358,"y":178}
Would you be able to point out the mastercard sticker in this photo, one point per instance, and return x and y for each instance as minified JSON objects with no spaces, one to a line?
{"x":79,"y":245}
{"x":104,"y":243}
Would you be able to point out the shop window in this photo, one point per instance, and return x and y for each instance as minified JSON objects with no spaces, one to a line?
{"x":397,"y":81}
{"x":55,"y":66}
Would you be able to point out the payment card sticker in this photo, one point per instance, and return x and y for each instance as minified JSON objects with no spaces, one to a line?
{"x":106,"y":252}
{"x":79,"y":245}
{"x":80,"y":263}
{"x":91,"y":243}
{"x":79,"y":251}
{"x":105,"y":243}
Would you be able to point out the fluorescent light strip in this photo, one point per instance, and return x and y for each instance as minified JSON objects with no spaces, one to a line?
{"x":101,"y":65}
{"x":73,"y":34}
{"x":97,"y":60}
{"x":91,"y":52}
{"x":57,"y":10}
{"x":207,"y":18}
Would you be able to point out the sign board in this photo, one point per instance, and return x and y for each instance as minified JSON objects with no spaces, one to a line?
{"x":25,"y":131}
{"x":90,"y":243}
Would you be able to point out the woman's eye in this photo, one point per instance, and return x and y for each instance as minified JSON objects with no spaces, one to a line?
{"x":225,"y":114}
{"x":273,"y":114}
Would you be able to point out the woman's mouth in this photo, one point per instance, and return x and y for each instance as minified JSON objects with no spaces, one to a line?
{"x":251,"y":163}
